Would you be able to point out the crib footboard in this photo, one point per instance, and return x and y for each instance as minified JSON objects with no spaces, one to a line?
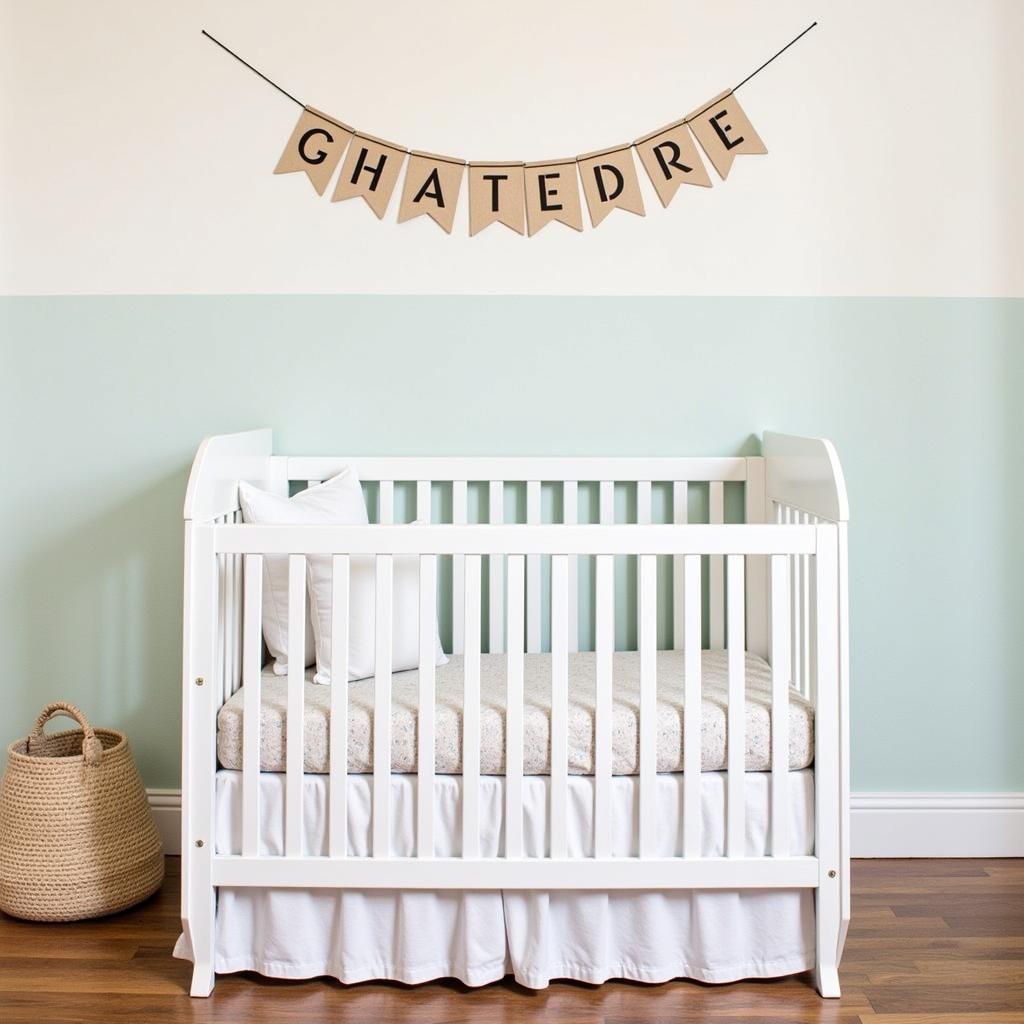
{"x":793,"y":566}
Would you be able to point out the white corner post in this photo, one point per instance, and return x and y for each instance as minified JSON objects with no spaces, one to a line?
{"x":200,"y":679}
{"x":829,"y":808}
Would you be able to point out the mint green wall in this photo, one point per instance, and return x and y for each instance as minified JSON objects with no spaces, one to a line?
{"x":105,"y":400}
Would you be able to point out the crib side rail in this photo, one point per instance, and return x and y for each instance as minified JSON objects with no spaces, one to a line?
{"x":484,"y":539}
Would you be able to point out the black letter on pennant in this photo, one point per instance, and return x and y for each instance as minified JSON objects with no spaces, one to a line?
{"x":494,"y":179}
{"x":720,"y":131}
{"x":672,"y":161}
{"x":321,"y":156}
{"x":619,"y":182}
{"x":547,"y":193}
{"x":435,"y":194}
{"x":361,"y":166}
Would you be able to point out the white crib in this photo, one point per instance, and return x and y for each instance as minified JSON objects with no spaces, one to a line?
{"x":774,"y":584}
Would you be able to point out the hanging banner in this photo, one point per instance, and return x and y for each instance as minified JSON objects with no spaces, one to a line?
{"x":315,"y":147}
{"x":521,"y":196}
{"x":432,"y":185}
{"x":724,"y":131}
{"x":496,"y":196}
{"x":552,"y":194}
{"x":370,"y":170}
{"x":670,"y":158}
{"x":610,"y":182}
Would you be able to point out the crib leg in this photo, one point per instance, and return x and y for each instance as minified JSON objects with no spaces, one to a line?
{"x":828,"y":914}
{"x":826,"y":981}
{"x":200,"y":929}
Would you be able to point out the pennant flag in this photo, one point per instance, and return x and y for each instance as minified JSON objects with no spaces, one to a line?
{"x":315,"y":147}
{"x":670,"y":158}
{"x":496,"y":194}
{"x":432,"y":186}
{"x":724,"y":131}
{"x":370,"y":170}
{"x":610,"y":181}
{"x":552,"y":194}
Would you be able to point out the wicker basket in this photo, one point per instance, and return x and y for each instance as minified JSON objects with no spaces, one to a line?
{"x":77,"y":837}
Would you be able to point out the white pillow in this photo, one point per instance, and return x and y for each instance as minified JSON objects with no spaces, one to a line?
{"x":337,"y":501}
{"x":405,"y":616}
{"x":361,"y":615}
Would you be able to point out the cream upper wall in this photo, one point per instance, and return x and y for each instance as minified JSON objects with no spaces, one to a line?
{"x":137,"y":158}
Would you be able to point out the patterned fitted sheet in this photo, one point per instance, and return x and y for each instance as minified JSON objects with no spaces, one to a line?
{"x":536,"y":718}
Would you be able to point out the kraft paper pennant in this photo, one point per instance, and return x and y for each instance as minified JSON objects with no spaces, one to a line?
{"x":724,"y":131}
{"x":670,"y":158}
{"x":370,"y":170}
{"x":552,"y":194}
{"x":432,"y":185}
{"x":610,"y":181}
{"x":496,"y":194}
{"x":315,"y":147}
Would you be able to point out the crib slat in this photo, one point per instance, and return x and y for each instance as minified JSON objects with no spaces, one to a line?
{"x":252,"y":654}
{"x":780,"y":707}
{"x":471,"y":714}
{"x":533,"y":581}
{"x":805,"y":613}
{"x":647,"y":633}
{"x":425,"y":718}
{"x":228,"y":583}
{"x":604,"y":596}
{"x":495,"y":568}
{"x":382,"y":709}
{"x":643,"y":501}
{"x":337,"y":818}
{"x":296,"y":704}
{"x":238,"y":624}
{"x":459,"y":515}
{"x":514,"y":710}
{"x":692,"y":706}
{"x":423,"y":510}
{"x":606,"y":502}
{"x":559,"y":703}
{"x":643,"y":518}
{"x":737,"y":710}
{"x":789,"y":516}
{"x":716,"y":570}
{"x":386,"y":502}
{"x":680,"y":516}
{"x":570,"y":516}
{"x":221,"y":643}
{"x":231,"y":636}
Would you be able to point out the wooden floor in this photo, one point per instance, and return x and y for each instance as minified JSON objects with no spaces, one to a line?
{"x":931,"y":942}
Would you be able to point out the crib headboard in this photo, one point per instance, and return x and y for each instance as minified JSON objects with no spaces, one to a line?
{"x":804,"y":473}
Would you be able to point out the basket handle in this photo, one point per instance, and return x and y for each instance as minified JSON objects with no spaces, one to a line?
{"x":92,"y":747}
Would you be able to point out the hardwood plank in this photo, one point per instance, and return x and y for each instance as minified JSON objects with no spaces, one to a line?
{"x":931,"y":942}
{"x":927,"y":996}
{"x":942,"y":1018}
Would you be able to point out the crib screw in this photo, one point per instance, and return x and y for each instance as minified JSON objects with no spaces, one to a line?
{"x":832,"y":873}
{"x":199,"y":843}
{"x":200,"y":680}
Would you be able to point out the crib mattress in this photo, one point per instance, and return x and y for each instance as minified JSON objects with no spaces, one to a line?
{"x":536,"y":718}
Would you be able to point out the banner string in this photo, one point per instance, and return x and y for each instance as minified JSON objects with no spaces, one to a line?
{"x":299,"y":102}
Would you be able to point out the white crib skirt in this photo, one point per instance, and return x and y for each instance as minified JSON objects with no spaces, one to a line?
{"x":479,"y":937}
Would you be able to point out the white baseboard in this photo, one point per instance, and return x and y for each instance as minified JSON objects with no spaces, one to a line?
{"x":882,"y":824}
{"x":166,"y":806}
{"x":937,"y":824}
